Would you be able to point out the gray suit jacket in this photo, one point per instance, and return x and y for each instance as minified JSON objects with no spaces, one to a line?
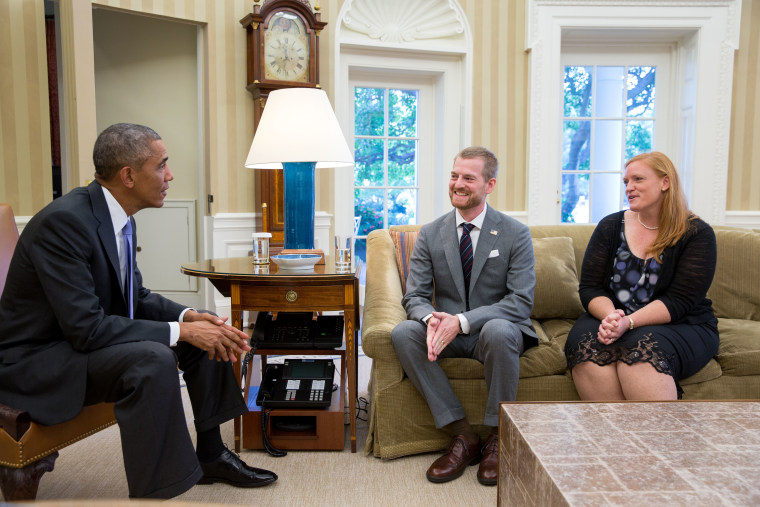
{"x":502,"y":279}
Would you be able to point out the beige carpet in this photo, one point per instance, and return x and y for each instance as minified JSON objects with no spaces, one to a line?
{"x":93,"y":469}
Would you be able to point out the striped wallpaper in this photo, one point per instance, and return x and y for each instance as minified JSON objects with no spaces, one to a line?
{"x":25,"y":154}
{"x":744,"y":152}
{"x":499,"y":99}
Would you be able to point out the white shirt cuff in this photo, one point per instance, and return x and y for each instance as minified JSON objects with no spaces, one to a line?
{"x":173,"y":333}
{"x":174,"y":328}
{"x":464,"y":323}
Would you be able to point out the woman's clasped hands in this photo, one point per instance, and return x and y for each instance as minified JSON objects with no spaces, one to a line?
{"x":612,"y":327}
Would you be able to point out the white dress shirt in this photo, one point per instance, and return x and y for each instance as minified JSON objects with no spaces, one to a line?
{"x":119,"y":219}
{"x":477,"y":222}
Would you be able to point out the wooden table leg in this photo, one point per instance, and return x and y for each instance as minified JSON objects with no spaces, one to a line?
{"x":237,"y":321}
{"x":351,"y":362}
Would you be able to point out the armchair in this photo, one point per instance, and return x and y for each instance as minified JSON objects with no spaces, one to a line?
{"x":29,"y":449}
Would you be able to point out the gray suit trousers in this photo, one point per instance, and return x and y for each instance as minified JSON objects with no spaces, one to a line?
{"x":498,"y":346}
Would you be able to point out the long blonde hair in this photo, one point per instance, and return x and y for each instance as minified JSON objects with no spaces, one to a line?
{"x":675,"y":218}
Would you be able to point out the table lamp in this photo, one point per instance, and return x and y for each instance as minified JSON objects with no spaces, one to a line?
{"x":298,"y":133}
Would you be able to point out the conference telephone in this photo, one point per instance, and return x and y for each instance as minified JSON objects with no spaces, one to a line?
{"x":297,"y":383}
{"x":297,"y":330}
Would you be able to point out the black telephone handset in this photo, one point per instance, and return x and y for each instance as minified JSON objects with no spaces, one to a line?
{"x":268,"y":385}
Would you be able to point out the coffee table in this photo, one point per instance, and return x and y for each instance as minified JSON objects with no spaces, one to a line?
{"x":687,"y":453}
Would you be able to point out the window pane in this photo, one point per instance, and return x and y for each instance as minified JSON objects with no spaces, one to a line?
{"x":609,"y":91}
{"x":606,"y":192}
{"x":369,"y":111}
{"x":402,"y":113}
{"x":575,"y":145}
{"x":608,"y":144}
{"x":641,"y":91}
{"x":577,"y":91}
{"x":402,"y":204}
{"x":368,"y":154}
{"x":638,"y":137}
{"x":360,"y":250}
{"x":368,"y":204}
{"x":575,"y":198}
{"x":402,"y":163}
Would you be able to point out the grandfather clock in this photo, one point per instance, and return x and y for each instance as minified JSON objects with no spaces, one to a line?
{"x":282,"y":42}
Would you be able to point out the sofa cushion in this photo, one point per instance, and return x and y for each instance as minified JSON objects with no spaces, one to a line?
{"x":404,"y":242}
{"x":556,"y":295}
{"x":548,"y":358}
{"x":734,"y":290}
{"x":579,"y":233}
{"x":739,"y":350}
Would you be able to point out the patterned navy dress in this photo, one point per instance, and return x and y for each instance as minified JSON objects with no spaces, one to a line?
{"x":669,"y":348}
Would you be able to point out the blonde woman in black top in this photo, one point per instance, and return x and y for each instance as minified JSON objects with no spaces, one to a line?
{"x":644,"y":278}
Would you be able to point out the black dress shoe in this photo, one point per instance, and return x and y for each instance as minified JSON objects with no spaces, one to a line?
{"x":231,"y":469}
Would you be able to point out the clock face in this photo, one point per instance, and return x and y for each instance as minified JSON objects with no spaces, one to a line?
{"x":286,"y":49}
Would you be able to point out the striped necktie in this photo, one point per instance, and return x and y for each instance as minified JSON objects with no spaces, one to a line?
{"x":465,"y":252}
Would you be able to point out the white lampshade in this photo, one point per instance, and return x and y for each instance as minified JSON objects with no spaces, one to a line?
{"x":298,"y":125}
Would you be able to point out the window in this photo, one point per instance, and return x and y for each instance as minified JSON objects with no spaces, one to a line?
{"x":608,"y":117}
{"x":616,"y":103}
{"x":386,"y":153}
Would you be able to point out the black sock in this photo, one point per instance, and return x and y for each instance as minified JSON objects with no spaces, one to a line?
{"x":210,"y":445}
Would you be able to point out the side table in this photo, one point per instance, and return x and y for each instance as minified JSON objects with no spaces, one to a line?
{"x":253,"y":288}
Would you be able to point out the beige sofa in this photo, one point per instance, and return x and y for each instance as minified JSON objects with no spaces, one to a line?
{"x":401,"y":423}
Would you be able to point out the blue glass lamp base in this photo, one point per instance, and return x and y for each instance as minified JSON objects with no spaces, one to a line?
{"x":299,"y":204}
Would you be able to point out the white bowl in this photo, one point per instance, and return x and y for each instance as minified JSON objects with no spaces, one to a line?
{"x":296,"y":261}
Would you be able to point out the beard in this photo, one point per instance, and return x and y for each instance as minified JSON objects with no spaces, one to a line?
{"x":464,"y":202}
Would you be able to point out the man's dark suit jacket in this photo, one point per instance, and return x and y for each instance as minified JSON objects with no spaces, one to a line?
{"x":62,"y":299}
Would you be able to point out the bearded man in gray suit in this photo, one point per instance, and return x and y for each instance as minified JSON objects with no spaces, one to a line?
{"x":469,"y":294}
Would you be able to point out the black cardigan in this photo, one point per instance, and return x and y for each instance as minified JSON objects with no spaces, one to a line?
{"x":688,"y":268}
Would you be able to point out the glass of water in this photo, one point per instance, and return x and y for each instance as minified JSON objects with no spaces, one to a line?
{"x":261,"y":247}
{"x":343,"y":253}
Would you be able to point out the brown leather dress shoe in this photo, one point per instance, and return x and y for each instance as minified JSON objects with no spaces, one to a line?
{"x":488,"y":471}
{"x":458,"y":456}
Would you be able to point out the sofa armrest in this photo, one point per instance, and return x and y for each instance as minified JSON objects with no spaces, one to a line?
{"x":382,"y":300}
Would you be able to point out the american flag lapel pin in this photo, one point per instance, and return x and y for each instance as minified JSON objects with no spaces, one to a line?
{"x":494,"y":232}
